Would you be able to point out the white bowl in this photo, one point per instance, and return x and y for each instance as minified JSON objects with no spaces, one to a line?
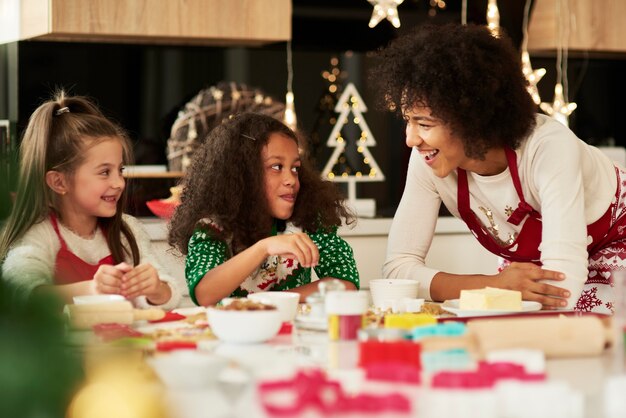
{"x":286,"y":302}
{"x":246,"y":327}
{"x":188,"y":369}
{"x":91,"y":299}
{"x":385,"y":291}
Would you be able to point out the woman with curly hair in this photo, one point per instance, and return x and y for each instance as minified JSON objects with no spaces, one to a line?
{"x":254,"y":216}
{"x":551,"y":206}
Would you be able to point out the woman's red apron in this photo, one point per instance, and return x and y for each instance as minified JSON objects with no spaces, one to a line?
{"x":607,"y":237}
{"x":68,"y":267}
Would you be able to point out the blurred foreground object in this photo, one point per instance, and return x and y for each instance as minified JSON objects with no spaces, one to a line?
{"x":38,"y":373}
{"x":119,"y":384}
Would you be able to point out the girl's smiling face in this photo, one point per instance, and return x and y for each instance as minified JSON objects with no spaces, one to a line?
{"x":441,"y":150}
{"x":281,"y":163}
{"x":97,"y":184}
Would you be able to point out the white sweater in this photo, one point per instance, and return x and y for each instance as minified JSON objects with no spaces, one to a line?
{"x":568,"y":181}
{"x":30,"y":261}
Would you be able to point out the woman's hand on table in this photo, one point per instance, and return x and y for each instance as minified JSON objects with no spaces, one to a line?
{"x":528,"y":277}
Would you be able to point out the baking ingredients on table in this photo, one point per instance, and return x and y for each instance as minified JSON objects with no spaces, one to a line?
{"x":385,"y":291}
{"x":491,"y":298}
{"x":122,"y":312}
{"x":244,"y":325}
{"x":408,"y":321}
{"x":285,"y":302}
{"x":241,"y":304}
{"x":346,"y":313}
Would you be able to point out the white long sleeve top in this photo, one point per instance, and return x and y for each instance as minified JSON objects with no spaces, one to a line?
{"x":30,"y":261}
{"x":570,"y":183}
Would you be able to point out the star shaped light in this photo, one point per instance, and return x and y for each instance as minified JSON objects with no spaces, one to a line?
{"x":385,"y":9}
{"x":533,"y":77}
{"x":559,"y":109}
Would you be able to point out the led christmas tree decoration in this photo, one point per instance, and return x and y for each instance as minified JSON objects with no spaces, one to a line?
{"x":346,"y":167}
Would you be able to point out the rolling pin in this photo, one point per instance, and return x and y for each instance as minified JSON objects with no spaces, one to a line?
{"x":87,"y":315}
{"x":555,"y":336}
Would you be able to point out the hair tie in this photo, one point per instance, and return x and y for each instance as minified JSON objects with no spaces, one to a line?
{"x":249,"y":137}
{"x":62,"y":110}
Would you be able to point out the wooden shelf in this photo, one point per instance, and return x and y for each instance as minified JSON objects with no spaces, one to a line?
{"x":196,"y":22}
{"x":594,"y":26}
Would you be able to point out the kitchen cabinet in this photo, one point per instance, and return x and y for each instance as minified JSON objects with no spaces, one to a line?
{"x":197,"y":22}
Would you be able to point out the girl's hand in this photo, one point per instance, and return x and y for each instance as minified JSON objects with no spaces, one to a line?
{"x":298,"y":246}
{"x":143,"y":280}
{"x":108,"y":278}
{"x":526,"y":277}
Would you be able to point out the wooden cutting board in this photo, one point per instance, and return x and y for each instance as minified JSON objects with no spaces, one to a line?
{"x":555,"y":336}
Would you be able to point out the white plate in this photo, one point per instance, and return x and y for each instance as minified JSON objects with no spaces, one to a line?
{"x":452,"y":306}
{"x":314,"y":323}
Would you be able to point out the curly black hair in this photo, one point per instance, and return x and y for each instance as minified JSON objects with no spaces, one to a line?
{"x":468,"y":78}
{"x":225,"y":183}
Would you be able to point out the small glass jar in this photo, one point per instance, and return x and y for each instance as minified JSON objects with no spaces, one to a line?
{"x":346,"y":314}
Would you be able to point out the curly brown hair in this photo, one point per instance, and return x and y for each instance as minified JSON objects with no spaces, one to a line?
{"x":468,"y":78}
{"x":225,"y":183}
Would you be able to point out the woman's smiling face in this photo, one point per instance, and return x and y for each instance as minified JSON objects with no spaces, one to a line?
{"x":441,"y":150}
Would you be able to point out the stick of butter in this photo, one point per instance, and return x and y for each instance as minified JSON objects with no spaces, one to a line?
{"x":491,"y":298}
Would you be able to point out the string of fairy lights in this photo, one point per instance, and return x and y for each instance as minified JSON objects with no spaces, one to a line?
{"x":340,"y":168}
{"x":560,"y":109}
{"x":533,"y":76}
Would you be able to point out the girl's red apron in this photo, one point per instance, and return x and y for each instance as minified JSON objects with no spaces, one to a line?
{"x":607,"y":237}
{"x":69,"y":268}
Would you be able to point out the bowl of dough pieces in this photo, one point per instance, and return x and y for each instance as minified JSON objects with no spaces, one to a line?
{"x":244,"y":321}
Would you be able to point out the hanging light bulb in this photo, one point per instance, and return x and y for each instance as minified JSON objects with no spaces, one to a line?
{"x":290,"y":112}
{"x":493,"y":17}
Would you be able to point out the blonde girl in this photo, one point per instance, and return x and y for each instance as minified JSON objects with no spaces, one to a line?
{"x":67,"y":232}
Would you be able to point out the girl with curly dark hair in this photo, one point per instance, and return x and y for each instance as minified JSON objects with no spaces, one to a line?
{"x":255,"y":216}
{"x":547,"y":203}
